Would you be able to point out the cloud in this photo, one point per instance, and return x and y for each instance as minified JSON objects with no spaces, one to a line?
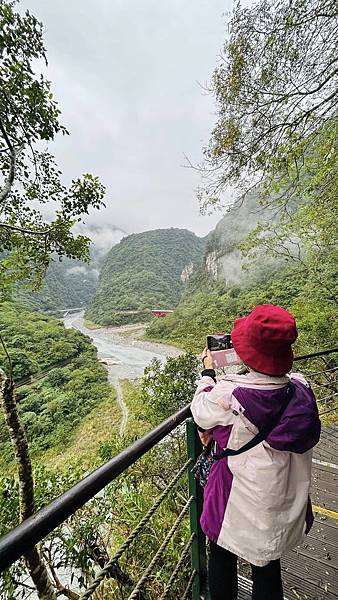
{"x":126,"y":75}
{"x":77,"y":270}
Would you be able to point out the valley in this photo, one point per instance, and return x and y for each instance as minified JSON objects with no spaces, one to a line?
{"x":124,"y":355}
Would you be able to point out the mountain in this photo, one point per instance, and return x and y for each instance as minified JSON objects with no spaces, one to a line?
{"x":224,"y":285}
{"x":72,"y":283}
{"x":145,"y":271}
{"x":223,"y":261}
{"x":68,"y":284}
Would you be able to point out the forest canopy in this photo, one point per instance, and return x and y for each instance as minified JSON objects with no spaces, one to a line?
{"x":144,"y":271}
{"x":74,"y":381}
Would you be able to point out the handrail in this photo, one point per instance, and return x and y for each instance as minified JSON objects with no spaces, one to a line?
{"x":315,"y":354}
{"x":36,"y":527}
{"x":39,"y":525}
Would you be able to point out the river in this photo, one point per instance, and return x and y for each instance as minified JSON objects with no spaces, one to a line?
{"x":124,"y":355}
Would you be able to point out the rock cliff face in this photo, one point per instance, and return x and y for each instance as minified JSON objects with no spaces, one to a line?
{"x":187,"y":272}
{"x":211,"y":264}
{"x":223,"y":260}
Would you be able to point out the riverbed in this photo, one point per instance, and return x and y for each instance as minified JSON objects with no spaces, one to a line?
{"x":123,"y":353}
{"x":126,"y":356}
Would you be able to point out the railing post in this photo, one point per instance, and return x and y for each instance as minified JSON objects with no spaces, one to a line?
{"x":198,"y":554}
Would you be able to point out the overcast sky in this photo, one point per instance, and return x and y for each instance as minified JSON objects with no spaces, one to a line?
{"x":126,"y":74}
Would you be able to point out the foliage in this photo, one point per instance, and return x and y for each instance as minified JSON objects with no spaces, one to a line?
{"x":307,"y":235}
{"x":52,"y":407}
{"x":35,"y":341}
{"x":29,"y":118}
{"x":100,"y":527}
{"x":170,"y":386}
{"x":275,"y":87}
{"x":136,"y":490}
{"x":143,"y":272}
{"x":214,"y":307}
{"x":103,"y":524}
{"x":68,"y":284}
{"x":275,"y":136}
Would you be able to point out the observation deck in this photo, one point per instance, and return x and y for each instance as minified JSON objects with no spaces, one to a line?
{"x":310,"y":572}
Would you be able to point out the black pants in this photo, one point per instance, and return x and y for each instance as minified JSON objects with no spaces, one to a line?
{"x":223,"y":584}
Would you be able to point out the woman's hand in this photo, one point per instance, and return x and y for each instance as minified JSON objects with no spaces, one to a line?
{"x":207,"y":359}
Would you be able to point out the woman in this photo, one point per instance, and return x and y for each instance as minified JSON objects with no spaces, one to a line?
{"x":256,"y":505}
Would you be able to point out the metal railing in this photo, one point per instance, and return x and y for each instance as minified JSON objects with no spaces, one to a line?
{"x":323,"y":379}
{"x":33,"y":530}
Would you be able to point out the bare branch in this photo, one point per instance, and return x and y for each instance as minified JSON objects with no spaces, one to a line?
{"x":7,"y":140}
{"x":62,"y":590}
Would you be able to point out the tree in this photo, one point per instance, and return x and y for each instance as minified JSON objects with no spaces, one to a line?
{"x":306,"y":236}
{"x":35,"y":565}
{"x":276,"y":132}
{"x":29,"y":176}
{"x":275,"y":87}
{"x":168,"y":387}
{"x":29,"y":179}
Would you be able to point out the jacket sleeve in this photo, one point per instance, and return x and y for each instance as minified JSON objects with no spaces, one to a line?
{"x":211,"y":404}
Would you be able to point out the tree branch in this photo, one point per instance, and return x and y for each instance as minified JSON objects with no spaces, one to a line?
{"x":4,"y":193}
{"x":7,"y":140}
{"x":42,"y":232}
{"x":62,"y":590}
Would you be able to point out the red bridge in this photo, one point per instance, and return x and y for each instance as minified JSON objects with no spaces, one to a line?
{"x":160,"y":313}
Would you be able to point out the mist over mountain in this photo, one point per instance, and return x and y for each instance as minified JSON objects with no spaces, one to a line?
{"x":145,"y":271}
{"x":225,"y":284}
{"x":72,"y":283}
{"x":223,"y":260}
{"x":130,"y":275}
{"x":103,"y":237}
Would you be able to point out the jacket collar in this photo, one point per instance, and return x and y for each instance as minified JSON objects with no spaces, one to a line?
{"x":255,"y":378}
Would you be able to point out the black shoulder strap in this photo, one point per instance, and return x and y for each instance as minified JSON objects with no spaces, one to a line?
{"x":263,"y":433}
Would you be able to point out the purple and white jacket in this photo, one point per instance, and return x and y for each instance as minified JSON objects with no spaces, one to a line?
{"x":257,"y":504}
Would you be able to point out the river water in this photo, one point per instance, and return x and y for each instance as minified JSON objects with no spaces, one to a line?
{"x":124,"y":356}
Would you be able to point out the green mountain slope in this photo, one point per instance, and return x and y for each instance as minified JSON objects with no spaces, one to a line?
{"x":145,"y":271}
{"x":54,"y":406}
{"x":72,"y":283}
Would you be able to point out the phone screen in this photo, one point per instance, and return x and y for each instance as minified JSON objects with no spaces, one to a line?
{"x":219,"y":342}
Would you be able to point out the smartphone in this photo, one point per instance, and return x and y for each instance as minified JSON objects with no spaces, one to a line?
{"x":222,"y":352}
